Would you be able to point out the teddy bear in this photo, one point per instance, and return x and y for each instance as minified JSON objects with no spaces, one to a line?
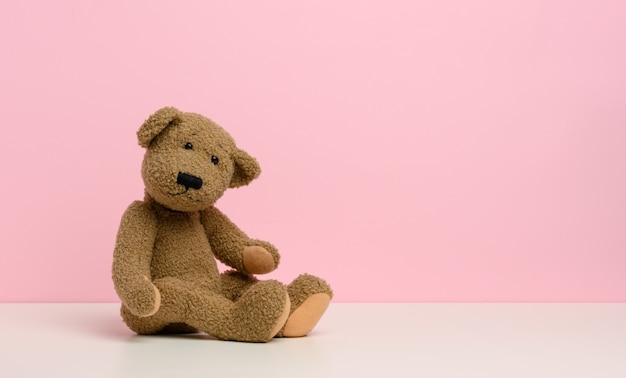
{"x":164,"y":264}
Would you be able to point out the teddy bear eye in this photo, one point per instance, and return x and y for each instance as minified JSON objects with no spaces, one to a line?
{"x":214,"y":159}
{"x":188,"y":146}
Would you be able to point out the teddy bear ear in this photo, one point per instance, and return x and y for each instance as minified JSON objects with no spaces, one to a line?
{"x":156,"y":123}
{"x":246,"y":169}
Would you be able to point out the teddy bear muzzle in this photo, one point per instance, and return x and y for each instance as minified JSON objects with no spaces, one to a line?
{"x":189,"y":181}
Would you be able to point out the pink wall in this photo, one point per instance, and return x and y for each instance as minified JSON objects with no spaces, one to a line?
{"x":412,"y":150}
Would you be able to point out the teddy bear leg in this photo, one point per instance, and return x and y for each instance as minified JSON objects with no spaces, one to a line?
{"x":310,"y":297}
{"x":259,"y":312}
{"x":256,"y":316}
{"x":180,"y":300}
{"x":234,"y":283}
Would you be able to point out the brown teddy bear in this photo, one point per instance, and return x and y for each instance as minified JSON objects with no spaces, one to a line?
{"x":164,"y":267}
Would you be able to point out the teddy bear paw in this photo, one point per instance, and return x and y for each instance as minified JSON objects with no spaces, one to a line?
{"x":257,"y":260}
{"x":144,"y":299}
{"x":306,"y":316}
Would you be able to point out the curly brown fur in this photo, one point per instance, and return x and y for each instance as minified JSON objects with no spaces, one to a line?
{"x":164,"y":267}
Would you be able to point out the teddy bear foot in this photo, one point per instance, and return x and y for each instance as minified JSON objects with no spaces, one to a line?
{"x":305,"y":317}
{"x":310,"y":297}
{"x":260,"y":313}
{"x":282,"y":320}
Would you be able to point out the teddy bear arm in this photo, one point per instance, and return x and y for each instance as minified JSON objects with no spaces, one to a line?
{"x":131,"y":260}
{"x":234,"y":248}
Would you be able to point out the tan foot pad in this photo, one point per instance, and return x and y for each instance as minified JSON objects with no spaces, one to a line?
{"x":305,"y":317}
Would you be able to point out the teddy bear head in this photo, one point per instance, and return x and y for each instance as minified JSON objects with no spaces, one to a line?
{"x":190,"y":160}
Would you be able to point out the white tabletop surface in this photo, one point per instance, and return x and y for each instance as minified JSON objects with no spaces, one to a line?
{"x":352,"y":340}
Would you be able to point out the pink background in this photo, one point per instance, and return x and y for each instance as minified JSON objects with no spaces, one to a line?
{"x":412,"y":150}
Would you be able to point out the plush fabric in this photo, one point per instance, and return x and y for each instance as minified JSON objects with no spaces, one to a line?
{"x":164,"y":267}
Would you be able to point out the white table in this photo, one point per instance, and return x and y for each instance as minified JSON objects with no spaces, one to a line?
{"x":352,"y":340}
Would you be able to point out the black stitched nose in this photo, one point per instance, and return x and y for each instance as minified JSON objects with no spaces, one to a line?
{"x":189,"y":181}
